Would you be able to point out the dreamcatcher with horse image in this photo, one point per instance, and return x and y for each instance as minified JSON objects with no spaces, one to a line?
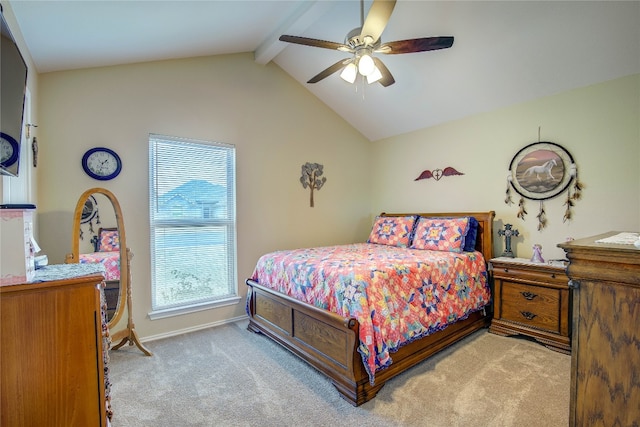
{"x":542,"y":171}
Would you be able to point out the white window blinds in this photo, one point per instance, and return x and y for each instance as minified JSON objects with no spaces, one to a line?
{"x":193,"y":222}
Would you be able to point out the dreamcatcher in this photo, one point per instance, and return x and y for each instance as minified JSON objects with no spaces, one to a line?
{"x":542,"y":171}
{"x":90,"y":214}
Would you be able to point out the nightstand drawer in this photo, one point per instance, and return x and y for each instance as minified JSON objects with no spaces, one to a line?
{"x":532,"y":299}
{"x":531,"y":275}
{"x":534,"y":306}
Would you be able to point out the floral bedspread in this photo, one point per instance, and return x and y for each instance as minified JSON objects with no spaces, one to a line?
{"x":397,"y":294}
{"x":110,"y":260}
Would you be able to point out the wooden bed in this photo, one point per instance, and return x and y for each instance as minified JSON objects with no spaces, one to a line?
{"x":329,"y":342}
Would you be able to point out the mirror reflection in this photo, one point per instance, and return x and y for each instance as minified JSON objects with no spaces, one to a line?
{"x":99,"y":237}
{"x":99,"y":242}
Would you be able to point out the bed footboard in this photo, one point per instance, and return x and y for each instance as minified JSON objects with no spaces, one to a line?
{"x":328,"y":342}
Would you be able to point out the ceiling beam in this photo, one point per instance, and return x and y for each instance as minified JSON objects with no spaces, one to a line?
{"x":295,"y":24}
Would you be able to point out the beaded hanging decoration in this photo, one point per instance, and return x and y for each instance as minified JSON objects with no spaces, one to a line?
{"x":542,"y":171}
{"x":90,"y":214}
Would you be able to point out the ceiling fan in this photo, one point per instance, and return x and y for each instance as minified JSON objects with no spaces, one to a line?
{"x":365,"y":40}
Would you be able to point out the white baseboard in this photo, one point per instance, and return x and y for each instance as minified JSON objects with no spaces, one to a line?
{"x":194,"y":328}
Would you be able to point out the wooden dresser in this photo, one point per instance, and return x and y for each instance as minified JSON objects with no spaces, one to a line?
{"x":532,"y":299}
{"x":52,"y":364}
{"x":605,"y":363}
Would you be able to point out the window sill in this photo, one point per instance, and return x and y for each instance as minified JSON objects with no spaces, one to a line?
{"x":178,"y":311}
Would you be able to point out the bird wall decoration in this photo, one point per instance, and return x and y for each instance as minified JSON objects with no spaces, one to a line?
{"x":438,"y":173}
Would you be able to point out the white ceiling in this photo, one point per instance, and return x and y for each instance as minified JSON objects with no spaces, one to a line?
{"x":505,"y":52}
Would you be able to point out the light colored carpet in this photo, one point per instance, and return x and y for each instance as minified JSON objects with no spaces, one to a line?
{"x":228,"y":376}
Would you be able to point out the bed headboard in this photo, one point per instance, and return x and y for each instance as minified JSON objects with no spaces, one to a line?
{"x":484,"y":239}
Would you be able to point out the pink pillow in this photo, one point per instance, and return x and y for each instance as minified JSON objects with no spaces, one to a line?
{"x":441,"y":234}
{"x":109,"y":241}
{"x":392,"y":230}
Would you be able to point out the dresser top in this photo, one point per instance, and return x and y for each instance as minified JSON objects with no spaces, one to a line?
{"x":592,"y":244}
{"x":59,"y":275}
{"x":67,"y":271}
{"x":612,"y":262}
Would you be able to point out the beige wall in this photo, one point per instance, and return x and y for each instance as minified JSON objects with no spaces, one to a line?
{"x":599,"y":125}
{"x":275,"y":124}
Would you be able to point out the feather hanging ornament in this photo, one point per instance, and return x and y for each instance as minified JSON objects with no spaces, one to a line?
{"x":569,"y":204}
{"x":577,"y":193}
{"x":522,"y":212}
{"x":577,"y":190}
{"x":577,"y":185}
{"x":542,"y":217}
{"x":508,"y":199}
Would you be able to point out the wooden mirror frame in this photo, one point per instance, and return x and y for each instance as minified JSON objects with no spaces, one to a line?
{"x":124,"y":292}
{"x":74,"y":257}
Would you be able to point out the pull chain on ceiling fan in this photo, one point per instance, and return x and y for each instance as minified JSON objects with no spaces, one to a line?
{"x":364,"y":41}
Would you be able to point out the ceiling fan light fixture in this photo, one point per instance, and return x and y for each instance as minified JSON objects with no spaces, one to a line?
{"x":374,"y":76}
{"x":365,"y":41}
{"x":366,"y":65}
{"x":349,"y":73}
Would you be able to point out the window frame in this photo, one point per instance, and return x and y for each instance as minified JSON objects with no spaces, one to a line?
{"x":228,"y":222}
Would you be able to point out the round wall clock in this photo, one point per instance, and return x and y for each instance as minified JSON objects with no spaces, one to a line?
{"x":101,"y":163}
{"x":9,"y":150}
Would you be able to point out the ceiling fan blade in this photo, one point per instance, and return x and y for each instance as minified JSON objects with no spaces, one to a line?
{"x":416,"y":45}
{"x":314,"y":42}
{"x":377,"y":19}
{"x":387,"y":79}
{"x":328,"y":71}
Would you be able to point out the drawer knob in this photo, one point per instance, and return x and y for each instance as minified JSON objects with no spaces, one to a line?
{"x":528,"y":295}
{"x":528,"y":315}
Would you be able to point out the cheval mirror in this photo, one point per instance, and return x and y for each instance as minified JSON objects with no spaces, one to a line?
{"x":99,"y":237}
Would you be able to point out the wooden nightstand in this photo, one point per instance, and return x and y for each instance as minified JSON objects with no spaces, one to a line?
{"x":532,"y":299}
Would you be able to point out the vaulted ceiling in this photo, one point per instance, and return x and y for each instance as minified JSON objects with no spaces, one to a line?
{"x":505,"y":52}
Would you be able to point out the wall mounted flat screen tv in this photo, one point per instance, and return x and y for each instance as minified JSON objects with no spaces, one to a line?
{"x":13,"y":85}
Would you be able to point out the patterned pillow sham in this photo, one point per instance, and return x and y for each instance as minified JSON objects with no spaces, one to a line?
{"x":392,"y":230}
{"x":441,"y":234}
{"x":109,"y":240}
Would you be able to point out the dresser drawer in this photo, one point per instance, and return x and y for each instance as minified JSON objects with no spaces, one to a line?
{"x":533,"y":306}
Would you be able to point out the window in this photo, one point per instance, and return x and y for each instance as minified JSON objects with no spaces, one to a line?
{"x":193,"y":225}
